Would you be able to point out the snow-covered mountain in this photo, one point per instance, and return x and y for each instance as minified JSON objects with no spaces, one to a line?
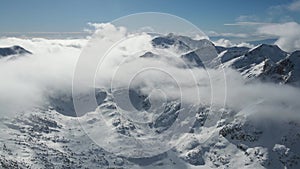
{"x":14,"y":50}
{"x":250,"y":63}
{"x":52,"y":136}
{"x":263,"y":62}
{"x":46,"y":138}
{"x":284,"y":71}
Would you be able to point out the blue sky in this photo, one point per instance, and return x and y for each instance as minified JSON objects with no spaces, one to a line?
{"x":73,"y":15}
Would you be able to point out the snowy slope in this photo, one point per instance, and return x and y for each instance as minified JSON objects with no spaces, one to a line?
{"x":264,"y":62}
{"x":251,"y":63}
{"x":285,"y":71}
{"x":45,"y":138}
{"x":227,"y":54}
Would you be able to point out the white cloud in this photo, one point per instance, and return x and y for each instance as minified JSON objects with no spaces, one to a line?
{"x":286,"y":8}
{"x":228,"y":43}
{"x":26,"y":81}
{"x":294,"y":6}
{"x":227,"y":34}
{"x":103,"y":30}
{"x":223,"y":42}
{"x":239,"y":95}
{"x":288,"y":34}
{"x":245,"y":23}
{"x":267,"y":99}
{"x":247,"y":18}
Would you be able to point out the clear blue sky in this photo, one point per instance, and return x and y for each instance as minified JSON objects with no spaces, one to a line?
{"x":72,"y":15}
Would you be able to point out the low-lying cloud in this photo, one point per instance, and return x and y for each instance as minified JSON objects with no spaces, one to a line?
{"x":27,"y":81}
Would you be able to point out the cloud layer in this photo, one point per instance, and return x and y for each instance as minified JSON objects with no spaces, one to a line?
{"x":28,"y":80}
{"x":288,"y":34}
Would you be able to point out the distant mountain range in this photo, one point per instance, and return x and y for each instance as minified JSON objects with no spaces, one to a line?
{"x":264,"y":62}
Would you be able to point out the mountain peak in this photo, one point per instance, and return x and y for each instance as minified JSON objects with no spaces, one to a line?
{"x":13,"y":50}
{"x":272,"y":52}
{"x":295,"y":55}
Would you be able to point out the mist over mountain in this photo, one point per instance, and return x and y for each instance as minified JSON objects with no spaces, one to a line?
{"x":247,"y":115}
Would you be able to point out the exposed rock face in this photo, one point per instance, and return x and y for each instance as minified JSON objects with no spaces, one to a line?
{"x":14,"y":50}
{"x":284,"y":71}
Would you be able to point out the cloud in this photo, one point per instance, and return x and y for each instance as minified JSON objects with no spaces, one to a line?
{"x":26,"y":81}
{"x":223,"y":39}
{"x":247,"y":18}
{"x":246,"y":23}
{"x":288,"y":34}
{"x":228,"y":43}
{"x":291,"y":7}
{"x":277,"y":23}
{"x":283,"y":12}
{"x":178,"y":83}
{"x":103,"y":30}
{"x":45,"y":34}
{"x":266,"y":98}
{"x":227,"y":34}
{"x":294,"y":6}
